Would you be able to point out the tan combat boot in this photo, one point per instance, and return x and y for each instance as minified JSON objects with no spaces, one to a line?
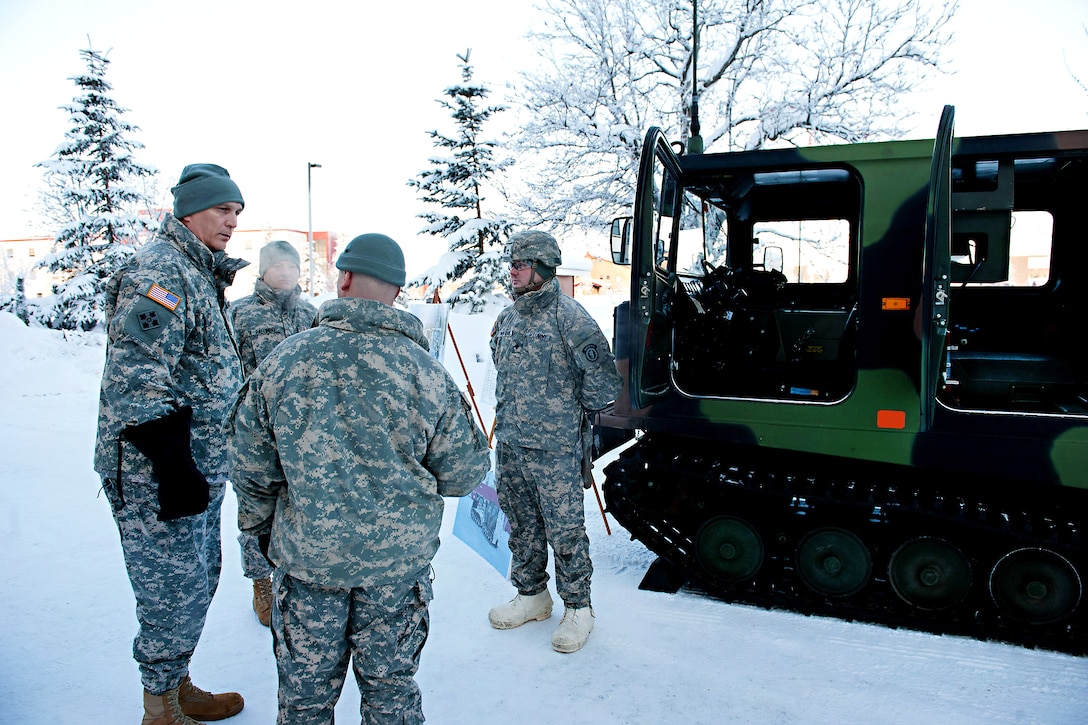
{"x":574,"y":630}
{"x":203,"y":705}
{"x":164,"y":710}
{"x":521,"y":609}
{"x":262,"y":600}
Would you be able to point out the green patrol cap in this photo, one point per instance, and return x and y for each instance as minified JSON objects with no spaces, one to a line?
{"x":201,"y":187}
{"x":374,"y":255}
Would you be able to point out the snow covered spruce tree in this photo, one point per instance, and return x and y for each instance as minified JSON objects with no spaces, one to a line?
{"x":94,"y":192}
{"x":455,"y":183}
{"x":769,"y":72}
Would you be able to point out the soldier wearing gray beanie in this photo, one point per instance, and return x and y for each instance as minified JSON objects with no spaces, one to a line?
{"x":203,"y":186}
{"x":374,"y":255}
{"x":275,"y":252}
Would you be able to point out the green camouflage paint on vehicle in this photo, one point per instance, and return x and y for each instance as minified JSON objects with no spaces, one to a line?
{"x":860,"y":376}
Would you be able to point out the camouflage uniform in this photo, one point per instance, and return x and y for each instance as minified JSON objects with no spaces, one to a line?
{"x":553,"y":364}
{"x":345,"y":440}
{"x":261,"y":321}
{"x":169,"y":346}
{"x":265,"y":319}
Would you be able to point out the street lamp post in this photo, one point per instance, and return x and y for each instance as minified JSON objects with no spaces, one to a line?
{"x":310,"y":222}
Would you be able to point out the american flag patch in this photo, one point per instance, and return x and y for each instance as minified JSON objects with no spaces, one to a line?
{"x":164,"y":297}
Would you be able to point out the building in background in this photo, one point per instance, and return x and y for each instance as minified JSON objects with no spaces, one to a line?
{"x":18,"y":256}
{"x":246,"y":244}
{"x":605,"y":277}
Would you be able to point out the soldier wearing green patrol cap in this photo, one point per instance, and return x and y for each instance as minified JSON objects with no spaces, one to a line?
{"x":345,"y":440}
{"x":170,"y":378}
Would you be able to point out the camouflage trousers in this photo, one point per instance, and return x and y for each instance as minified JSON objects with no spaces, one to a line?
{"x":541,"y":494}
{"x":173,"y":567}
{"x":254,"y":563}
{"x":316,"y":630}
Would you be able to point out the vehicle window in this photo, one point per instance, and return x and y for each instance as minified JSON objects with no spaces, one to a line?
{"x":664,"y":214}
{"x":1030,"y":238}
{"x":689,"y":248}
{"x":810,"y":251}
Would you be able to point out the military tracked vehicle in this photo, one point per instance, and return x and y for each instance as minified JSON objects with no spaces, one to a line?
{"x":857,"y":378}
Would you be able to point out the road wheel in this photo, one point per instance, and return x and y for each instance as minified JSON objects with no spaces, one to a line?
{"x":930,"y":574}
{"x":729,"y":548}
{"x":834,"y":562}
{"x":1036,"y":586}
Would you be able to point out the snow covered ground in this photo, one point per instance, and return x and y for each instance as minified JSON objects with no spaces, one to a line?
{"x":67,"y":613}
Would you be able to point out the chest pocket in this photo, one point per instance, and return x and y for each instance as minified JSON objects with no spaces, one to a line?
{"x":519,"y":344}
{"x":196,"y":343}
{"x":526,"y":359}
{"x":265,"y":338}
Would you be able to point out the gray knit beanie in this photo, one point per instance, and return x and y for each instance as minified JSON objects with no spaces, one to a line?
{"x":374,"y":255}
{"x":201,"y":187}
{"x":275,"y":252}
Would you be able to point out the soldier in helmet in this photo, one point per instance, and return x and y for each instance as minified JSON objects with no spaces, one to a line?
{"x":345,"y":440}
{"x":554,"y":367}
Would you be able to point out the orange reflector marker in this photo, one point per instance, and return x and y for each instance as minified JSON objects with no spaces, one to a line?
{"x":895,"y":303}
{"x":896,"y":419}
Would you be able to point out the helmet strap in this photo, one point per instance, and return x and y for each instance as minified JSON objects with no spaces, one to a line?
{"x":534,"y":286}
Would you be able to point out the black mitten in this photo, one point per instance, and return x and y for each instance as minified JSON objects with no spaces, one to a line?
{"x":263,"y":542}
{"x":183,"y":490}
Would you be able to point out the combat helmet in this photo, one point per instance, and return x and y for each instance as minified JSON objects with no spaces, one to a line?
{"x":541,"y":250}
{"x":535,"y":246}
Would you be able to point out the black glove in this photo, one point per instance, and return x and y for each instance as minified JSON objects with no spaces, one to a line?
{"x":263,"y":542}
{"x":183,"y":490}
{"x":587,"y":451}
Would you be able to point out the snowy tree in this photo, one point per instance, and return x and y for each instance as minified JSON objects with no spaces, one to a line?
{"x":455,"y":183}
{"x":1076,"y":78}
{"x":767,"y":73}
{"x":98,"y":195}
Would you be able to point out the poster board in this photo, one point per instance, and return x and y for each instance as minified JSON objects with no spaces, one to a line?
{"x":482,"y":525}
{"x":435,"y":318}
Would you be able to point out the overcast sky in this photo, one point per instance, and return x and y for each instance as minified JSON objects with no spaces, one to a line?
{"x":263,"y":88}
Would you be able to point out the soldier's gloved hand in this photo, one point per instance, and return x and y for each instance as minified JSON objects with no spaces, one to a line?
{"x":263,"y":542}
{"x":183,"y":490}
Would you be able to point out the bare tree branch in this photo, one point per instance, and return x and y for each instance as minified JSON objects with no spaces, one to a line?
{"x":772,"y":72}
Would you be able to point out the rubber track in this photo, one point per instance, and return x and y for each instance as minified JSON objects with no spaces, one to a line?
{"x":665,"y":487}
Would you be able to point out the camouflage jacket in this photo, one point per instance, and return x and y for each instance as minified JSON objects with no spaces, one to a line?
{"x":345,"y":440}
{"x":169,"y":345}
{"x":265,"y":319}
{"x":553,"y":362}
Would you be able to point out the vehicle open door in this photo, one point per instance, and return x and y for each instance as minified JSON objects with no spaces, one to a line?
{"x":937,"y":268}
{"x":655,"y":224}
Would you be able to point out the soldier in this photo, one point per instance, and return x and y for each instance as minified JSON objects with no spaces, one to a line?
{"x":274,"y":312}
{"x":170,"y":377}
{"x":345,"y":440}
{"x":554,"y":366}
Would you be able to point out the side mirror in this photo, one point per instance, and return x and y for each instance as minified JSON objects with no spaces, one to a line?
{"x":621,"y":240}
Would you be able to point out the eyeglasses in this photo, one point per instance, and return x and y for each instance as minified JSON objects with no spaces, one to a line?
{"x":520,"y":265}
